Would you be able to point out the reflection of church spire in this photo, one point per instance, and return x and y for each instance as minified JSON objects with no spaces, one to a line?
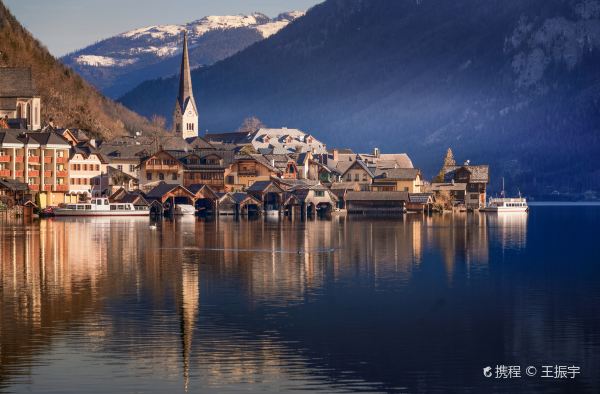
{"x":189,"y":310}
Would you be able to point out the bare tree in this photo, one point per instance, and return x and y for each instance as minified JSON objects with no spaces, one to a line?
{"x":250,"y":125}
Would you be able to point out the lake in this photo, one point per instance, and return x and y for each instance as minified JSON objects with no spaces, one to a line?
{"x":411,"y":305}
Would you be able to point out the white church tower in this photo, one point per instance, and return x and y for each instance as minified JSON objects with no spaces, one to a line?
{"x":185,"y":116}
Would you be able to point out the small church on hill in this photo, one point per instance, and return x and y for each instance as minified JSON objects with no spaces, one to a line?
{"x":185,"y":116}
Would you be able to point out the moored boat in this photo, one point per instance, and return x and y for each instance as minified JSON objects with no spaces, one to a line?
{"x":101,"y":207}
{"x":506,"y":205}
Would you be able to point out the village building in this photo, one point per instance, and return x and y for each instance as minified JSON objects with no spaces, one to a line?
{"x":397,"y":179}
{"x":20,"y":103}
{"x":87,"y":172}
{"x":272,"y":141}
{"x":311,"y":200}
{"x":376,"y":203}
{"x":269,"y":193}
{"x":248,"y":169}
{"x":13,"y":192}
{"x":38,"y":159}
{"x":124,"y":156}
{"x":475,"y":178}
{"x":239,"y":203}
{"x":185,"y":115}
{"x":186,"y":168}
{"x":286,"y":141}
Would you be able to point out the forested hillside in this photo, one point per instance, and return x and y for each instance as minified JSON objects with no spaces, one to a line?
{"x":66,"y":97}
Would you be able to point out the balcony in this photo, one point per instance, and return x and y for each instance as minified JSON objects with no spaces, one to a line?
{"x":33,"y":159}
{"x":48,"y":159}
{"x":34,"y":187}
{"x":247,"y":173}
{"x":19,"y":173}
{"x":47,"y":188}
{"x":162,"y":167}
{"x":62,"y":160}
{"x":61,"y":188}
{"x":4,"y":159}
{"x":5,"y":173}
{"x":19,"y":159}
{"x":48,"y":174}
{"x":62,"y":174}
{"x":33,"y":173}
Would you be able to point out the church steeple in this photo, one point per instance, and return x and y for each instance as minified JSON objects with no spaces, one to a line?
{"x":185,"y":117}
{"x":185,"y":76}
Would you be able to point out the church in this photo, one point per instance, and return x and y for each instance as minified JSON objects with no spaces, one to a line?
{"x":185,"y":116}
{"x":20,"y":104}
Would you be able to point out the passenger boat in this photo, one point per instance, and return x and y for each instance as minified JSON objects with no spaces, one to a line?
{"x":506,"y":205}
{"x":101,"y":207}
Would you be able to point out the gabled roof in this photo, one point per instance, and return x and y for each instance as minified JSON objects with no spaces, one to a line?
{"x":421,"y":198}
{"x":197,"y":187}
{"x":86,"y":150}
{"x":396,"y":173}
{"x":48,"y":138}
{"x":13,"y":185}
{"x":198,"y":143}
{"x":448,"y":186}
{"x":262,"y":186}
{"x":479,"y":173}
{"x":163,"y":188}
{"x":16,"y":82}
{"x":361,"y":164}
{"x":237,"y":138}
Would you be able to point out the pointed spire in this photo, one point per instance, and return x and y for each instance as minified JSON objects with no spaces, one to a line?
{"x":185,"y":77}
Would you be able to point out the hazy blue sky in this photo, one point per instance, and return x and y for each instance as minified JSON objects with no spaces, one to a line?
{"x":66,"y":25}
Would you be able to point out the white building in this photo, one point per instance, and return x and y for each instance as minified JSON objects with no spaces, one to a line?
{"x":185,"y":116}
{"x":284,"y":140}
{"x":19,"y":99}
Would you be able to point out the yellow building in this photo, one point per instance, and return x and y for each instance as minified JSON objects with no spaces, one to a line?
{"x":397,"y":179}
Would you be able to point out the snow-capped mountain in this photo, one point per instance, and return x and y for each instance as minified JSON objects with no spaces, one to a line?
{"x":117,"y":64}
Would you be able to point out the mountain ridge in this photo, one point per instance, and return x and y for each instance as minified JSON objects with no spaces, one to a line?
{"x":117,"y":64}
{"x":512,"y":83}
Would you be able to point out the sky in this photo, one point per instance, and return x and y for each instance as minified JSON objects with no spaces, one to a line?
{"x":66,"y":25}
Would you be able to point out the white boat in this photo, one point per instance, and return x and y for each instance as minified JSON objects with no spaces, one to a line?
{"x":184,"y":209}
{"x":101,"y":207}
{"x":506,"y":205}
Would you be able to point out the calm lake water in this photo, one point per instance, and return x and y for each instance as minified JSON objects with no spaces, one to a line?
{"x":415,"y":304}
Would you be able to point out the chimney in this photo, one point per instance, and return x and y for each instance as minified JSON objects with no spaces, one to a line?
{"x":376,"y":152}
{"x":92,"y":142}
{"x":272,"y":162}
{"x":336,"y":155}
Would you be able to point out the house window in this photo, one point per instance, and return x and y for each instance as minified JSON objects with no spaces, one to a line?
{"x":148,"y":176}
{"x":131,"y":168}
{"x":365,"y":177}
{"x":319,"y":193}
{"x":120,"y":167}
{"x":161,"y":176}
{"x":357,"y":177}
{"x":230,"y":180}
{"x":174,"y":177}
{"x":406,"y":189}
{"x":349,"y":178}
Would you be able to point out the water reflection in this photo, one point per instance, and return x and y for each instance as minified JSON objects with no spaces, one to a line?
{"x":317,"y":305}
